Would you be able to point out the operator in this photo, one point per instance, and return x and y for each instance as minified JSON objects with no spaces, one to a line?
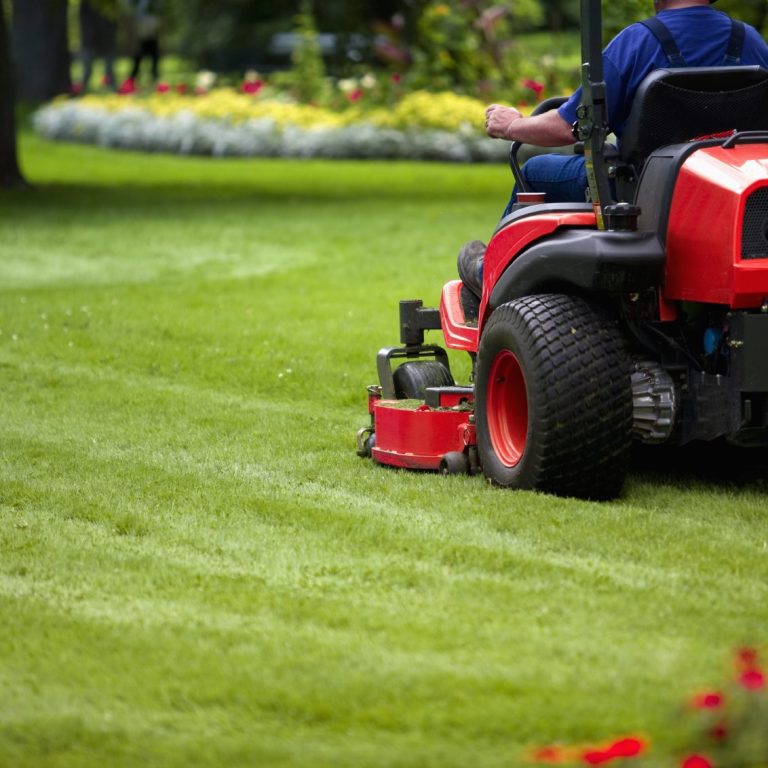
{"x":682,"y":33}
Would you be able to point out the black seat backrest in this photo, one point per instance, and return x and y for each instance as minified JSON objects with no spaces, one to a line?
{"x":673,"y":106}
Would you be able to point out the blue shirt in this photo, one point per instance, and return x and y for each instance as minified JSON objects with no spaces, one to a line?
{"x":700,"y":32}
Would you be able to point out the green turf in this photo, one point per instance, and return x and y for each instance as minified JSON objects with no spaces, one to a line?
{"x":196,"y":568}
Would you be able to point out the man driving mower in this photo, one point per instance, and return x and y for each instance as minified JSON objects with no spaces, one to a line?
{"x":683,"y":33}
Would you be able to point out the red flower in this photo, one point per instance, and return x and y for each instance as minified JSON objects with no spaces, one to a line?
{"x":719,"y":732}
{"x":536,"y":87}
{"x":696,"y":761}
{"x":746,"y":657}
{"x":355,"y":95}
{"x":396,"y":78}
{"x":129,"y":86}
{"x":252,"y":86}
{"x":163,"y":88}
{"x":181,"y":88}
{"x":550,"y":755}
{"x":752,"y":679}
{"x":622,"y":748}
{"x":711,"y":700}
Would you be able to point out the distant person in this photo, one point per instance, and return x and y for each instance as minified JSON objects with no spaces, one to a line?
{"x":146,"y":28}
{"x":98,"y":39}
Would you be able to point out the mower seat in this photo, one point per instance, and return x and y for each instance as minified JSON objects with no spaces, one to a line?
{"x":674,"y":106}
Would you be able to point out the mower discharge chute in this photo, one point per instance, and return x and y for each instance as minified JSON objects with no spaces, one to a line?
{"x":643,"y":317}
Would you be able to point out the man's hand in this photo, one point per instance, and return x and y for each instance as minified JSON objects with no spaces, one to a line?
{"x":545,"y":130}
{"x":499,"y":119}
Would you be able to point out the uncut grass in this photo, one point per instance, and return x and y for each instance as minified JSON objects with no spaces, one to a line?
{"x":197,"y":568}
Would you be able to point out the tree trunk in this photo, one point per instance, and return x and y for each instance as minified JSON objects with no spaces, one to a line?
{"x":10,"y":175}
{"x":40,"y":49}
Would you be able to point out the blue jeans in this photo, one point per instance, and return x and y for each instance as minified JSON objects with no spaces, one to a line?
{"x":562,"y":177}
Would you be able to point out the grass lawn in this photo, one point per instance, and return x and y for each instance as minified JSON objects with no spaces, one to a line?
{"x":196,"y":568}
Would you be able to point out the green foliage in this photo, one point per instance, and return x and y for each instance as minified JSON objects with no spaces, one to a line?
{"x":754,"y":12}
{"x":469,"y":45}
{"x":307,"y":68}
{"x":617,"y":14}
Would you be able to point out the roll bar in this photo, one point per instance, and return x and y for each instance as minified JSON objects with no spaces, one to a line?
{"x":592,"y":124}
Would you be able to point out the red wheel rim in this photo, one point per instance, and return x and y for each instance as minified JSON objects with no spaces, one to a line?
{"x":507,"y":415}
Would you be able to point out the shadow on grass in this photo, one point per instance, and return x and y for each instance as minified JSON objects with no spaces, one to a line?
{"x":224,"y":194}
{"x":716,"y":464}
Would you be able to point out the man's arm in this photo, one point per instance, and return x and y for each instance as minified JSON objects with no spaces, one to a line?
{"x":545,"y":130}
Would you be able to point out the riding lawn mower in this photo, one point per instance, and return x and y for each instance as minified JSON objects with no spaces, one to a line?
{"x":641,"y":315}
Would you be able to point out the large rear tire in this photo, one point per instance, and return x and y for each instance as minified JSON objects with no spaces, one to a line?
{"x":553,"y":398}
{"x":412,"y":378}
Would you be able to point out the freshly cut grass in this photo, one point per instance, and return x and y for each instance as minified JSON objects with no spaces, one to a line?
{"x":196,"y":568}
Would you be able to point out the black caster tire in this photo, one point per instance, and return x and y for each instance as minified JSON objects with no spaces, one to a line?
{"x":454,"y":463}
{"x":365,"y":446}
{"x":412,"y":378}
{"x":553,"y":401}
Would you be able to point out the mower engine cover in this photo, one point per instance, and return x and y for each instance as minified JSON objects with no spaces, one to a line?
{"x":717,"y":231}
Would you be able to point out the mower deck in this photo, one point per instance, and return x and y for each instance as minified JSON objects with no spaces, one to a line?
{"x":435,"y":434}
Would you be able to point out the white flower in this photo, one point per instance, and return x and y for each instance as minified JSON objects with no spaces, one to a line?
{"x":348,"y":85}
{"x":205,"y":79}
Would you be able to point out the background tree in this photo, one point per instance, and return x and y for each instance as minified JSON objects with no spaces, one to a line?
{"x":40,"y":49}
{"x":10,"y":175}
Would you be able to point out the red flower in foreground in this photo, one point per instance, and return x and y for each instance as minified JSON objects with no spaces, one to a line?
{"x":752,"y":679}
{"x":355,"y":95}
{"x":181,"y":89}
{"x":163,"y":88}
{"x":746,"y":657}
{"x":696,"y":761}
{"x":710,"y":700}
{"x":719,"y":732}
{"x":622,"y":748}
{"x":551,"y":755}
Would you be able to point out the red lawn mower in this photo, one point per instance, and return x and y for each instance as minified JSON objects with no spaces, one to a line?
{"x":642,"y":315}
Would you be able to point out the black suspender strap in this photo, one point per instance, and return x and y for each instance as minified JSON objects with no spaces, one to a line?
{"x":672,"y":52}
{"x":667,"y":42}
{"x":735,"y":44}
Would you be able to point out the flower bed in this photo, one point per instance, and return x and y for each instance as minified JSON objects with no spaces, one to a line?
{"x":226,"y":122}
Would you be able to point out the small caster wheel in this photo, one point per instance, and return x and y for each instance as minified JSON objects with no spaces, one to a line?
{"x":365,"y":444}
{"x":454,"y":463}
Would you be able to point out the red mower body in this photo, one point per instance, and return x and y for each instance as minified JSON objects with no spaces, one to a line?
{"x":715,"y":239}
{"x":644,"y":320}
